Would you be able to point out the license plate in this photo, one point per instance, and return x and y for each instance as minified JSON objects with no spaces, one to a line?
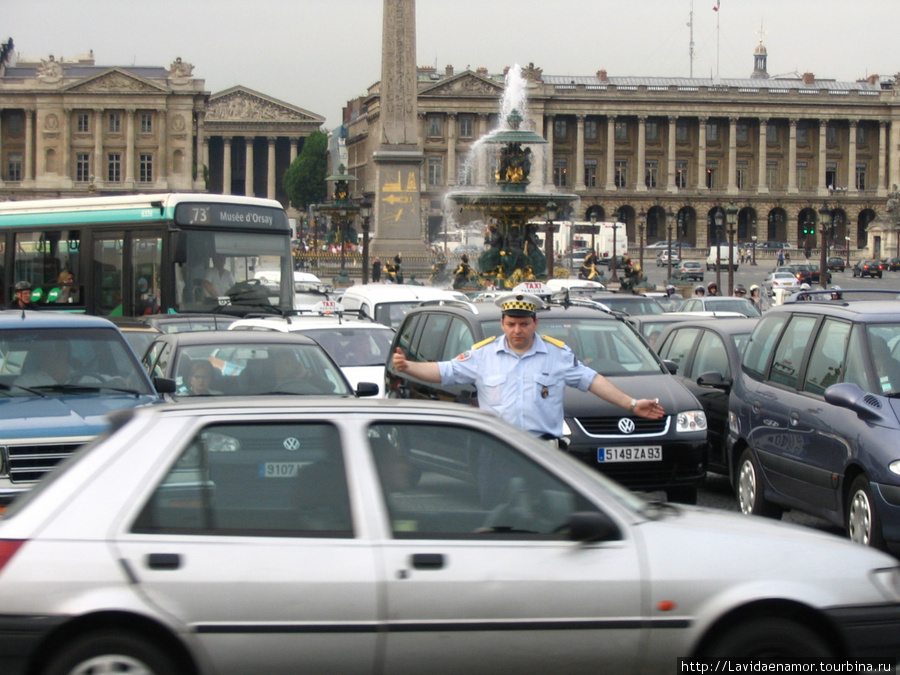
{"x":652,"y":453}
{"x":280,"y":469}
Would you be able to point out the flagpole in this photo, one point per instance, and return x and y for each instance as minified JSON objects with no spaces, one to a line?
{"x":717,"y":40}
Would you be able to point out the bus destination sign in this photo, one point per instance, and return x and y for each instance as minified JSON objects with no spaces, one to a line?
{"x":241,"y":216}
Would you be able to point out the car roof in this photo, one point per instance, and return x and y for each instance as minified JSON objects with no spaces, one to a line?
{"x":397,"y":292}
{"x":33,"y":319}
{"x":859,"y":311}
{"x":725,"y":326}
{"x":305,"y":322}
{"x":222,"y":338}
{"x":488,"y":311}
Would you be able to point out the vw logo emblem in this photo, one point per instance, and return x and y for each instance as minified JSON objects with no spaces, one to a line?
{"x":291,"y":444}
{"x":626,"y":425}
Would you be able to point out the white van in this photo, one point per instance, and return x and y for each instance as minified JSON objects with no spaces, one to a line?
{"x":718,"y":256}
{"x":389,"y":303}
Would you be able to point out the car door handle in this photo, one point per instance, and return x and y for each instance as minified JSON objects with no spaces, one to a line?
{"x":428,"y":561}
{"x":795,"y":419}
{"x":164,"y":561}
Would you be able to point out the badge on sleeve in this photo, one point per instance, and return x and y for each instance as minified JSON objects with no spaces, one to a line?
{"x":465,"y":356}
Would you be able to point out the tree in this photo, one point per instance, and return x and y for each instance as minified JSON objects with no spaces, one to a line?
{"x":304,"y":179}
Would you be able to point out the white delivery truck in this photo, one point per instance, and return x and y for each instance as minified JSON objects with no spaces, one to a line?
{"x":718,"y":257}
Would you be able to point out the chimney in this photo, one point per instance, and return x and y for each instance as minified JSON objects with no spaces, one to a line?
{"x":873,"y":79}
{"x":809,"y":78}
{"x":601,"y":75}
{"x":482,"y":70}
{"x":448,"y":71}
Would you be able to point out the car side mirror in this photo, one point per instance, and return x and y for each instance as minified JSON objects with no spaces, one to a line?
{"x":869,"y":407}
{"x":364,"y":389}
{"x":592,"y":526}
{"x":164,"y":385}
{"x":714,"y":380}
{"x":671,"y":366}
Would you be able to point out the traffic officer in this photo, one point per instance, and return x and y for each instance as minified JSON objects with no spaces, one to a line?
{"x":22,"y":299}
{"x":521,"y":376}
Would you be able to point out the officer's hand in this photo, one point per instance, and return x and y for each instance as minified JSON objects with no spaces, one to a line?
{"x":649,"y":408}
{"x":399,"y":360}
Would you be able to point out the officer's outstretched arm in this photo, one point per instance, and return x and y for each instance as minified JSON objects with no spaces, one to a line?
{"x":428,"y":371}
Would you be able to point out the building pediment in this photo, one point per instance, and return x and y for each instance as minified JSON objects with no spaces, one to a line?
{"x":240,"y":104}
{"x":114,"y":81}
{"x":464,"y":84}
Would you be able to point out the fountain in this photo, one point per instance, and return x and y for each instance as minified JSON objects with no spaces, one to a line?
{"x":513,"y":252}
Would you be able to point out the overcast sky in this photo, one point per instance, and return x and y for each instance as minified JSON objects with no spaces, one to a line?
{"x":317,"y":54}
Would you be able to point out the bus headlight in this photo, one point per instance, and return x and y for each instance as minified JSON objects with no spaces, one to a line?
{"x":690,"y":420}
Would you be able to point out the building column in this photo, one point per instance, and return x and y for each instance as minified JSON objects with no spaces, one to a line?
{"x":851,"y":159}
{"x":579,"y":154}
{"x":248,"y":166}
{"x":162,"y":176}
{"x":882,"y":159}
{"x":452,"y":177}
{"x":640,"y":183}
{"x":823,"y":157}
{"x":611,"y":153}
{"x":762,"y":185}
{"x":65,"y":143}
{"x":701,"y":154}
{"x":202,"y":151}
{"x":129,"y":148}
{"x":28,"y":175}
{"x":226,"y":165}
{"x":732,"y":155}
{"x":293,"y":142}
{"x":549,"y":168}
{"x":98,"y":147}
{"x":670,"y":159}
{"x":270,"y":174}
{"x":792,"y":157}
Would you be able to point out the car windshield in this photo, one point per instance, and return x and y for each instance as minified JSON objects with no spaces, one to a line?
{"x":67,"y":361}
{"x":354,"y":346}
{"x":741,"y":305}
{"x":256,"y":369}
{"x":609,"y":347}
{"x":633,"y":304}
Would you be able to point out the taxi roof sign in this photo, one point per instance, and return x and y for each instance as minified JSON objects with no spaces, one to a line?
{"x":328,"y":307}
{"x":538,"y":288}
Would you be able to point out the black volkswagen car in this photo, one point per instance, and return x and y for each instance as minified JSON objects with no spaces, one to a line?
{"x":665,"y":454}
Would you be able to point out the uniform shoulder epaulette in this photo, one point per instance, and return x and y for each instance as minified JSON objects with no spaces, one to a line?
{"x":484,"y":342}
{"x":553,"y":341}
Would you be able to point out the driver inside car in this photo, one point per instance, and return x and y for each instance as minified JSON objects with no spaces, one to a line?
{"x":46,"y":364}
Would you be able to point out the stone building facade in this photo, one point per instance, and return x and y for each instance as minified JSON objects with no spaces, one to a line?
{"x":71,"y":127}
{"x":666,"y":154}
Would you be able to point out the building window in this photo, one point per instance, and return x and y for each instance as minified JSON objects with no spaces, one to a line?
{"x":712,"y":171}
{"x":621,"y":172}
{"x":14,"y":167}
{"x":831,"y":135}
{"x":681,"y":173}
{"x":860,"y":176}
{"x":831,"y":175}
{"x":621,"y":131}
{"x":742,"y":132}
{"x":590,"y":173}
{"x":560,"y":128}
{"x":14,"y":123}
{"x":743,"y":175}
{"x":145,"y":167}
{"x":146,"y":123}
{"x":712,"y":132}
{"x":466,"y":126}
{"x":772,"y":174}
{"x":771,"y":132}
{"x":802,"y":133}
{"x":652,"y":131}
{"x":591,"y":130}
{"x":114,"y":167}
{"x":435,"y":126}
{"x":802,"y":175}
{"x":682,"y":135}
{"x":860,"y":134}
{"x":115,"y":123}
{"x":82,"y":123}
{"x":465,"y":174}
{"x":435,"y":173}
{"x":651,"y":173}
{"x":82,"y":167}
{"x":560,"y":171}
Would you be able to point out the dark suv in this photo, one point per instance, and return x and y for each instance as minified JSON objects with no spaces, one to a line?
{"x":671,"y":450}
{"x":814,"y":415}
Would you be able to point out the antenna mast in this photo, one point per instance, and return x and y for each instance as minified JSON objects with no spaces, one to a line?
{"x":691,"y":45}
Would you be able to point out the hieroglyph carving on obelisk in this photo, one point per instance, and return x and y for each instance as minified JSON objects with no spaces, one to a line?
{"x":398,"y":74}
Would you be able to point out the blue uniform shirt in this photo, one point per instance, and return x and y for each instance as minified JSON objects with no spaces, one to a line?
{"x":524,"y":389}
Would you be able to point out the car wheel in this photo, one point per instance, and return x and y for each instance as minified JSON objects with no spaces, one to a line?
{"x":111,"y":651}
{"x":770,"y":639}
{"x":863,"y":521}
{"x":750,"y":490}
{"x":682,"y":495}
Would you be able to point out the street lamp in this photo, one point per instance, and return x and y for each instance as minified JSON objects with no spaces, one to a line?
{"x":731,"y":213}
{"x":365,"y":210}
{"x":719,"y":219}
{"x":670,"y":219}
{"x":615,"y":228}
{"x":753,"y":238}
{"x":825,"y":218}
{"x":642,"y":223}
{"x":550,"y":212}
{"x":593,"y":230}
{"x":847,"y":238}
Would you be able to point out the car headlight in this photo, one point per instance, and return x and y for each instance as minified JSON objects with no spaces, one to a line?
{"x":567,"y":431}
{"x":887,"y":581}
{"x":690,"y":420}
{"x":895,"y":467}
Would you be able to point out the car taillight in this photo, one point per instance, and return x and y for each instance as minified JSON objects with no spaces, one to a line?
{"x":8,"y":548}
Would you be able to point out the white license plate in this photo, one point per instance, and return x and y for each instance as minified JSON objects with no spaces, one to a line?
{"x":280,"y":469}
{"x":651,"y":453}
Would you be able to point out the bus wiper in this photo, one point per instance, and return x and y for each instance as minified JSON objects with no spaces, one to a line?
{"x":7,"y":387}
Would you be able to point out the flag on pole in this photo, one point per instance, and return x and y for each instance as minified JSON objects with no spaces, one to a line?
{"x":716,"y":8}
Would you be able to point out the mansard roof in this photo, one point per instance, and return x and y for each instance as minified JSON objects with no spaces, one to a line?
{"x":595,"y":82}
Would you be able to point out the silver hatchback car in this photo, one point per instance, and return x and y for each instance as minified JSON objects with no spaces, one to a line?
{"x":347,"y":536}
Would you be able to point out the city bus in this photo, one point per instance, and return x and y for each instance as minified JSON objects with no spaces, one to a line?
{"x":145,"y":254}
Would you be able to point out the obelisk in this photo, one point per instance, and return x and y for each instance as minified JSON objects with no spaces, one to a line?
{"x":398,"y":159}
